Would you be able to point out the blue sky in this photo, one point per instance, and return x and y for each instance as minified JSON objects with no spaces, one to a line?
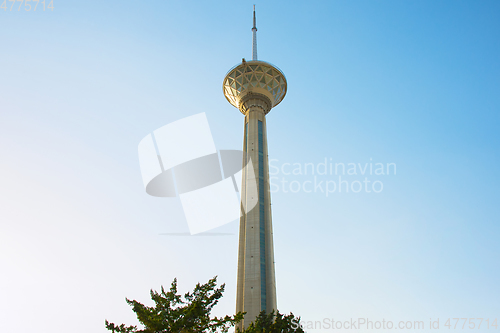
{"x":415,"y":83}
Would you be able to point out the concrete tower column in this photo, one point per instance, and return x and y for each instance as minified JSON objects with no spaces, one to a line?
{"x":256,"y":290}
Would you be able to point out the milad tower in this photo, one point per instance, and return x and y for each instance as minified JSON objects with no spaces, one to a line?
{"x":255,"y":87}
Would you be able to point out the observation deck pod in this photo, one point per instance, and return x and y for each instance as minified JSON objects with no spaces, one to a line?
{"x":257,"y":77}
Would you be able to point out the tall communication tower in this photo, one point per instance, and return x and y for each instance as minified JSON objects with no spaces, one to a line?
{"x":255,"y":87}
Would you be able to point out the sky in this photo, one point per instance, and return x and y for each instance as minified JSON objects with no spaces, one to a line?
{"x":414,"y":84}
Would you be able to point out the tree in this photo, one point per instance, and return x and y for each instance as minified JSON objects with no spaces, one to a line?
{"x":274,"y":323}
{"x":172,"y":313}
{"x":191,"y":314}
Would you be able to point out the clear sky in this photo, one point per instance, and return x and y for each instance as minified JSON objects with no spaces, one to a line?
{"x":414,"y":83}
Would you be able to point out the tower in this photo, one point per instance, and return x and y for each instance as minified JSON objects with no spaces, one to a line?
{"x":255,"y":87}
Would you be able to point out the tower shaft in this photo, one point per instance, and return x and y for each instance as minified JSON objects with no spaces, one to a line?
{"x":256,"y":288}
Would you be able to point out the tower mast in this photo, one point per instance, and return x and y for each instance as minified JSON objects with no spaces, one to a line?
{"x":255,"y":87}
{"x":254,"y":33}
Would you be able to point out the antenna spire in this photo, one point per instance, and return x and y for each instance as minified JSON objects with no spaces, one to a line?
{"x":254,"y":32}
